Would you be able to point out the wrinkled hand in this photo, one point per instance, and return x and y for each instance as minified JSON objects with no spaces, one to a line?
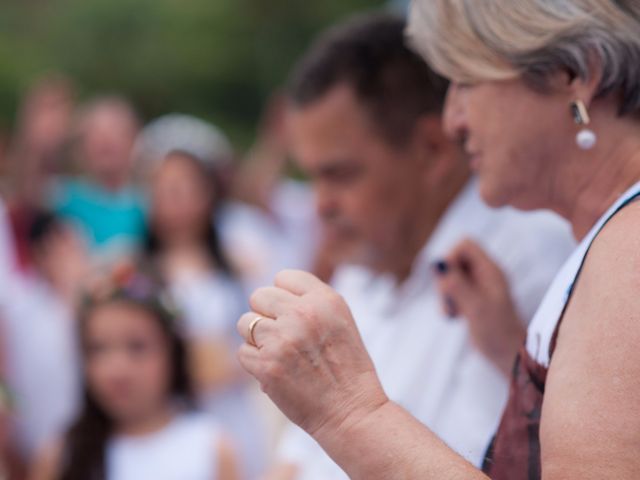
{"x":309,"y":356}
{"x":474,"y":287}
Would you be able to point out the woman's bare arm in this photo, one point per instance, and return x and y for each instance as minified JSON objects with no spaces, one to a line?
{"x":591,"y":415}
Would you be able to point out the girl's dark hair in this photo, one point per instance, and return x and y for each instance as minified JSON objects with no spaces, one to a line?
{"x":87,"y":439}
{"x":211,"y":237}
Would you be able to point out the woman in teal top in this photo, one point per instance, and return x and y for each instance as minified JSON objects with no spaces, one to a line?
{"x":104,"y":203}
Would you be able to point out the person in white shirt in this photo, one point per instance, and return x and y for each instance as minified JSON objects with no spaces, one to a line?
{"x":395,"y":196}
{"x":265,"y":220}
{"x":185,"y":161}
{"x":137,"y":420}
{"x":11,"y":458}
{"x":43,"y":368}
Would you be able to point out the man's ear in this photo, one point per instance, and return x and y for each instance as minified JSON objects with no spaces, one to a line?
{"x":435,"y":149}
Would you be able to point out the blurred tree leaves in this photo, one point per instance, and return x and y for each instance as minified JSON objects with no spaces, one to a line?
{"x":216,"y":58}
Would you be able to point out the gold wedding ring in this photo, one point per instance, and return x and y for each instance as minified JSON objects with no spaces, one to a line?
{"x":252,"y":327}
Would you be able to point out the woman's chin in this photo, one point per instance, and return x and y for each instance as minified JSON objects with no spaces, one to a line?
{"x":492,"y":196}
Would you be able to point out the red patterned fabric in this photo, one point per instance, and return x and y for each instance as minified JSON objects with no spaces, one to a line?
{"x":514,"y":453}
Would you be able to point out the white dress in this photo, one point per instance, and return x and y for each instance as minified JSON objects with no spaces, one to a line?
{"x":183,"y":450}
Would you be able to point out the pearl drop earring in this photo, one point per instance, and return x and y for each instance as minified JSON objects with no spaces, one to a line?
{"x":586,"y":138}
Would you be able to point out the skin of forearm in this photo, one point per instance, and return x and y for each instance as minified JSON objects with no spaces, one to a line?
{"x":388,"y":443}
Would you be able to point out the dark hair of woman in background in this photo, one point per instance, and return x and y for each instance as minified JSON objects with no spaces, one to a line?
{"x":168,"y":219}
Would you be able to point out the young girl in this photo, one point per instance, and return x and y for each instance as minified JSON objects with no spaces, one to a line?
{"x":136,"y":422}
{"x":182,"y":246}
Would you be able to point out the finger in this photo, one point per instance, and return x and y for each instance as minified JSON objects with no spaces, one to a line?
{"x":458,"y":292}
{"x":271,"y":301}
{"x":477,"y":261}
{"x":459,"y":259}
{"x":249,"y":358}
{"x":447,"y":302}
{"x":449,"y":306}
{"x":261,"y":329}
{"x":298,"y":282}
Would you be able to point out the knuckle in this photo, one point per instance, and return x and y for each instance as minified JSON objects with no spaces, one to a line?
{"x":273,"y":350}
{"x":256,"y":296}
{"x":244,"y":357}
{"x":281,"y":275}
{"x":241,"y":324}
{"x":303,"y":311}
{"x":241,"y":355}
{"x":295,"y":342}
{"x":336,"y":301}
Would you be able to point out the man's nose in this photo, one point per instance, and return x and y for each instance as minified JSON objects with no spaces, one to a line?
{"x":326,"y":204}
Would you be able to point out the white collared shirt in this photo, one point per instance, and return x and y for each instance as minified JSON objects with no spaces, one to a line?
{"x":425,"y":360}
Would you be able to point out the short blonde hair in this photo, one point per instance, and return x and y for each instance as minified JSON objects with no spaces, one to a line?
{"x":472,"y":40}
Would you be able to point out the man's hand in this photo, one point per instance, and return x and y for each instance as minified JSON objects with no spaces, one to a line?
{"x":474,"y":287}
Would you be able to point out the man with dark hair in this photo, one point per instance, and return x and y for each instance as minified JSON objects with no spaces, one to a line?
{"x":368,"y":54}
{"x":360,"y":79}
{"x":395,"y":196}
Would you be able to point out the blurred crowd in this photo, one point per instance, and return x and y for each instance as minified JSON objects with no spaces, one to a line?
{"x":91,"y":194}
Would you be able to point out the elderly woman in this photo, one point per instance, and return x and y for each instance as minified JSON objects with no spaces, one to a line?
{"x":546,"y":95}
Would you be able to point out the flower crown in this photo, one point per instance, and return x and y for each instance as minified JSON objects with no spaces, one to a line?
{"x":125,"y":282}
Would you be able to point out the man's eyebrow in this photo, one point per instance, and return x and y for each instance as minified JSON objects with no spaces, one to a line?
{"x":338,"y":164}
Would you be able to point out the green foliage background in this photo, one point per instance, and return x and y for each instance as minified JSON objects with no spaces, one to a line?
{"x":219,"y":59}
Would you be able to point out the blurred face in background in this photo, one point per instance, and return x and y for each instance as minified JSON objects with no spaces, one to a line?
{"x":107,"y":133}
{"x":127,"y":361}
{"x":46,"y":116}
{"x":368,"y":191}
{"x":182,"y":198}
{"x":62,"y":258}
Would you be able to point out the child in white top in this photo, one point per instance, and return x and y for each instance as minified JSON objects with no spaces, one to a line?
{"x":136,"y":421}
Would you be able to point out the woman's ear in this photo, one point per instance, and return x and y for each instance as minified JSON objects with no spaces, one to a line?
{"x":586,"y":88}
{"x":574,"y":86}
